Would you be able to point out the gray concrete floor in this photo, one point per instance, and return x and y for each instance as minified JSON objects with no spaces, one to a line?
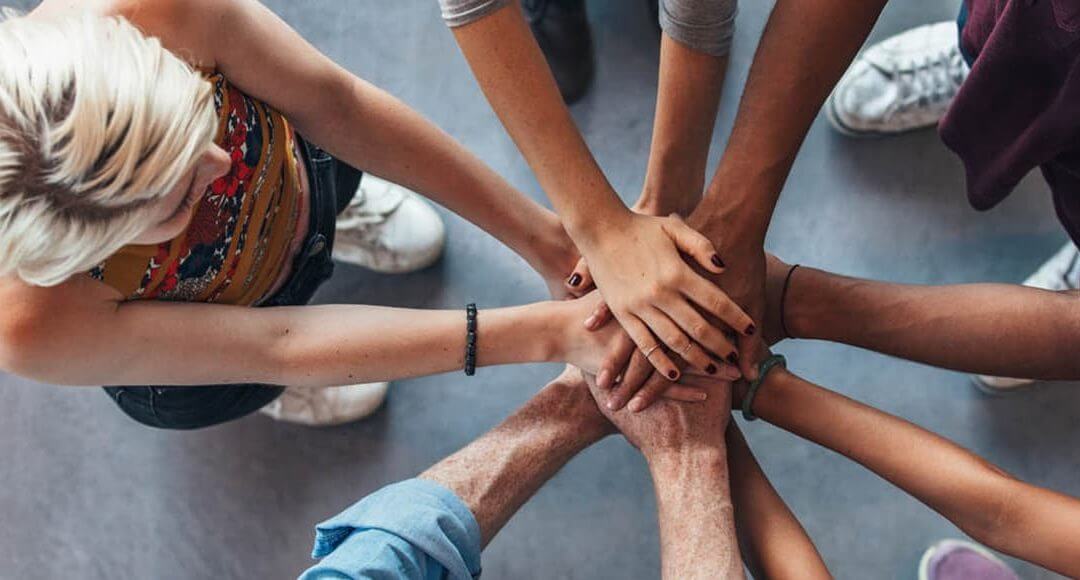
{"x":87,"y":493}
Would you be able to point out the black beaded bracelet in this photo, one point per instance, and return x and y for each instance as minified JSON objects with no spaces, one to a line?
{"x":470,"y":339}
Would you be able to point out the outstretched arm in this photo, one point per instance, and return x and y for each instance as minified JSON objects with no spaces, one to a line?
{"x":436,"y":525}
{"x":774,"y":543}
{"x":996,"y":329}
{"x":1006,"y":514}
{"x":805,"y":48}
{"x":371,"y":130}
{"x":496,"y":474}
{"x":634,"y":259}
{"x":684,"y":446}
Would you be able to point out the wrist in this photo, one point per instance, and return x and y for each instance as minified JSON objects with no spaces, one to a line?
{"x":654,"y":201}
{"x":687,"y":462}
{"x":592,"y":231}
{"x":550,"y":251}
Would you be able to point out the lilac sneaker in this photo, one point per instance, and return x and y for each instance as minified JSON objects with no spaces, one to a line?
{"x":960,"y":560}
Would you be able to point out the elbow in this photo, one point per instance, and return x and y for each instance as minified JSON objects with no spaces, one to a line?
{"x":22,"y":347}
{"x":994,"y":522}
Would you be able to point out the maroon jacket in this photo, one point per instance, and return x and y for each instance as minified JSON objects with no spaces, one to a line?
{"x":1020,"y":106}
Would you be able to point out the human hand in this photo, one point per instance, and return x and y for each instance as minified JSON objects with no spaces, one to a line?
{"x":568,"y":398}
{"x":743,"y":280}
{"x":675,"y":428}
{"x":654,"y":294}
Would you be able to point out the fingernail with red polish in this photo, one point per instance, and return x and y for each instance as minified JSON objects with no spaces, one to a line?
{"x":717,"y":261}
{"x":673,"y":375}
{"x":575,"y":280}
{"x":733,"y":358}
{"x":711,"y":369}
{"x":750,"y":330}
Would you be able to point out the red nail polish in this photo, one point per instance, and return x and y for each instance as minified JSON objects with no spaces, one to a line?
{"x":575,"y":280}
{"x":673,"y":375}
{"x":717,"y":261}
{"x":733,"y":358}
{"x":711,"y":369}
{"x":750,"y":330}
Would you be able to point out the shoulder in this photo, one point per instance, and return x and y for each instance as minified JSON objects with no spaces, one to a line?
{"x":187,"y":28}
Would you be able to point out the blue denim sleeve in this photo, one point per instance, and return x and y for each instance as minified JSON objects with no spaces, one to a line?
{"x":704,"y":25}
{"x":415,"y":529}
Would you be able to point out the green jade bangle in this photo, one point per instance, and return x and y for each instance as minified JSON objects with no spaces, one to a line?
{"x":776,"y":360}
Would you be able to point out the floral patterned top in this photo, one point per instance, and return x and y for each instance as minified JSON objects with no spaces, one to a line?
{"x":241,"y":230}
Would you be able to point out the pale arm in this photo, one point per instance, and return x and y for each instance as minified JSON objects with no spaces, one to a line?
{"x":373,"y":131}
{"x":77,"y":333}
{"x":496,"y":474}
{"x":697,"y":520}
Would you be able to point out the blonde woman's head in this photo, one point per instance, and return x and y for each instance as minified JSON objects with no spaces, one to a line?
{"x":106,"y":139}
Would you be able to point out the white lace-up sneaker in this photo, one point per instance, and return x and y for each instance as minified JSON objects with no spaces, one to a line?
{"x":389,"y":229}
{"x":1061,"y":272}
{"x":902,"y":83}
{"x":326,"y":406}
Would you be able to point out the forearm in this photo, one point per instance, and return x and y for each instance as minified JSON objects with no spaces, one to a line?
{"x":688,"y":96}
{"x":697,"y":520}
{"x":805,"y":48}
{"x":514,"y":76}
{"x":773,"y":542}
{"x":1011,"y":516}
{"x":289,"y":345}
{"x":376,"y":132}
{"x":496,"y":474}
{"x":997,"y":329}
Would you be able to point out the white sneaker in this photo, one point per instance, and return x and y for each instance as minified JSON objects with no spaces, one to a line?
{"x":326,"y":406}
{"x":902,"y":83}
{"x":389,"y":229}
{"x":1061,"y":272}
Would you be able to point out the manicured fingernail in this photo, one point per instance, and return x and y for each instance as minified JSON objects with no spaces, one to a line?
{"x":636,"y":404}
{"x":611,"y":405}
{"x":711,"y":369}
{"x":733,"y":358}
{"x":590,"y":321}
{"x":717,"y":261}
{"x":673,"y":375}
{"x":750,"y":330}
{"x":575,"y":280}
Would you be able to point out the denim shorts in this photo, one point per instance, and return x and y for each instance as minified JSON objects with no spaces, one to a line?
{"x":332,"y":184}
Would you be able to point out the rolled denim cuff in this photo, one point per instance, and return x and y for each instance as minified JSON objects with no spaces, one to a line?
{"x":703,"y":25}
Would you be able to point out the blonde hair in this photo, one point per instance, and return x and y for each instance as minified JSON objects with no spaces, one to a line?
{"x":96,"y":122}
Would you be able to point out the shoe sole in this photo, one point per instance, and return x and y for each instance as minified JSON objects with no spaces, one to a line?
{"x":838,"y":124}
{"x":993,"y":391}
{"x":924,"y":562}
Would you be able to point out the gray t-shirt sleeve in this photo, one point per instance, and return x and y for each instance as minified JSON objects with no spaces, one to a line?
{"x":462,"y":12}
{"x":704,"y":25}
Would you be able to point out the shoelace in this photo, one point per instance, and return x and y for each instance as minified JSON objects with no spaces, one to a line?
{"x":935,"y":79}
